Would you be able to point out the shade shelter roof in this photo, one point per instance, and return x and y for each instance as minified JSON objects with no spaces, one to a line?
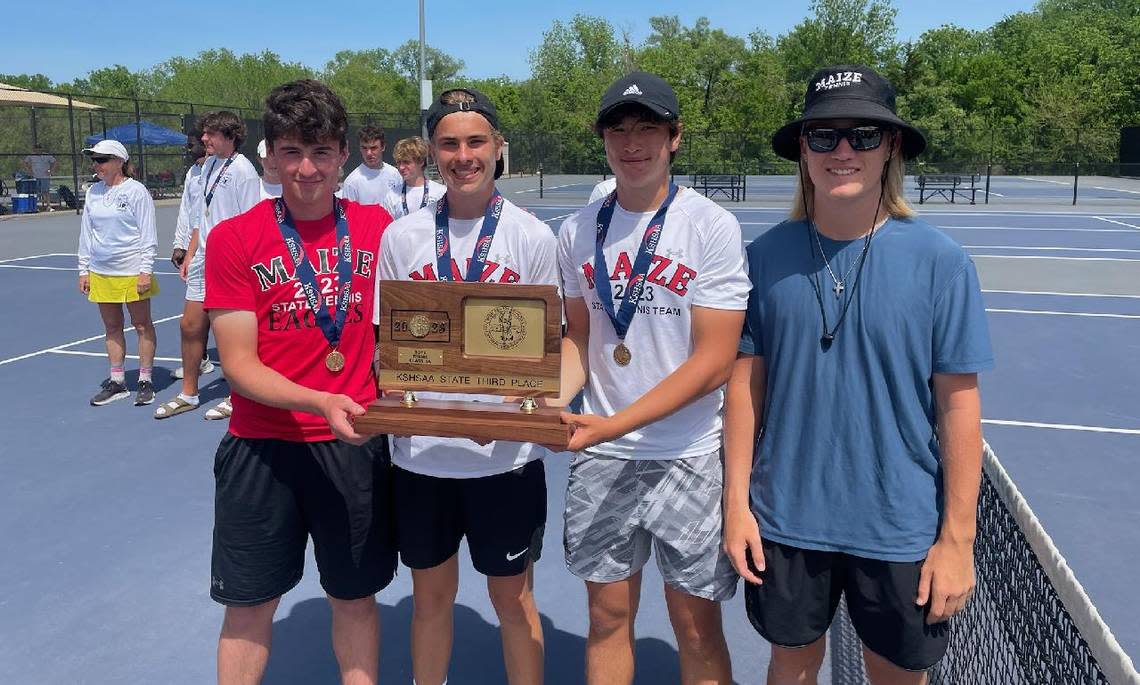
{"x":22,"y":97}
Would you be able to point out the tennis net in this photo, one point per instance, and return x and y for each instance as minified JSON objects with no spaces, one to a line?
{"x":1029,"y":621}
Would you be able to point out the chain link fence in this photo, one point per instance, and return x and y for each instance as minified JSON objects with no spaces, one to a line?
{"x":62,"y":129}
{"x":61,"y":125}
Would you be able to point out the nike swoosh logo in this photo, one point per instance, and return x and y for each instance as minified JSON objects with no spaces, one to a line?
{"x":516,"y":555}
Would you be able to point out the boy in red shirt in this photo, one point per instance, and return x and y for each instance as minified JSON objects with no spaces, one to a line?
{"x":290,"y":301}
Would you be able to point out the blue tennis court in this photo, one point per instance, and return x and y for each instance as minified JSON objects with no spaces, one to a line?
{"x":107,"y":513}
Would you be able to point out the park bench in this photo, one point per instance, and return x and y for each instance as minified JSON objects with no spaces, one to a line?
{"x":732,"y":185}
{"x":948,"y":186}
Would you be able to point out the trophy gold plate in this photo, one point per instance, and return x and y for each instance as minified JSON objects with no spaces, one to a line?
{"x":485,"y":338}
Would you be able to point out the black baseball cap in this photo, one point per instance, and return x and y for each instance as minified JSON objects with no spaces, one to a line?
{"x":481,"y":104}
{"x":640,"y":88}
{"x":848,"y":91}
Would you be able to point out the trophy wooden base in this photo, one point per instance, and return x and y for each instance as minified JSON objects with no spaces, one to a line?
{"x":478,"y":421}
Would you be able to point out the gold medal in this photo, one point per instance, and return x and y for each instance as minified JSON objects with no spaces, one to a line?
{"x":334,"y":361}
{"x":622,"y":355}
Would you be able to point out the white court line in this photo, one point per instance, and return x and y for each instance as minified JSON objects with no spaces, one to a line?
{"x":1043,"y":292}
{"x":556,"y":218}
{"x":1032,"y":229}
{"x":74,"y":343}
{"x":1060,"y":259}
{"x":1043,"y":180}
{"x":1063,"y":426}
{"x":37,"y":256}
{"x":965,"y":211}
{"x":1117,"y":190}
{"x":546,"y":188}
{"x":69,"y":268}
{"x":1119,"y":223}
{"x":104,"y":354}
{"x":1090,"y":315}
{"x":1050,"y":248}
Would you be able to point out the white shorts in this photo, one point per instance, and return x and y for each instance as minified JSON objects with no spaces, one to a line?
{"x":196,"y":278}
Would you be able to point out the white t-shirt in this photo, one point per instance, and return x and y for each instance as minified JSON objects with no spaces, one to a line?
{"x":188,"y":211}
{"x":369,"y":186}
{"x":117,"y":236}
{"x":270,"y":190}
{"x":699,"y":262}
{"x":394,"y":200}
{"x":237,"y":191}
{"x":603,"y":189}
{"x":523,"y":251}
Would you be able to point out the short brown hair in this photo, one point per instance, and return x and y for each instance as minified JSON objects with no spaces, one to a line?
{"x":370,"y":133}
{"x":306,"y":108}
{"x":225,"y":122}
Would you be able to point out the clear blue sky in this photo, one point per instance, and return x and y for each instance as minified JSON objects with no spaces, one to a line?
{"x":67,"y":38}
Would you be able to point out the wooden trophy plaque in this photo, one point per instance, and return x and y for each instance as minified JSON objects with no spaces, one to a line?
{"x":486,"y":338}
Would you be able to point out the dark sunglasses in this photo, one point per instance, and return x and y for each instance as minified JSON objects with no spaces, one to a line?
{"x":861,"y":138}
{"x":101,"y":160}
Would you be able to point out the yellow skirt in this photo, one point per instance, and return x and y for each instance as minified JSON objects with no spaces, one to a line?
{"x":119,"y":288}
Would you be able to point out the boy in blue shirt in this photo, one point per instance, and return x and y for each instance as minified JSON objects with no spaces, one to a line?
{"x":853,"y":420}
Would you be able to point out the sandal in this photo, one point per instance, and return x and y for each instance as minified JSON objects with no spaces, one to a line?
{"x":173,"y":407}
{"x":220,"y":411}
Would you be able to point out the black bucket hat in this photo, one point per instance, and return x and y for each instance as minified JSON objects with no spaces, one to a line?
{"x":848,"y":91}
{"x":481,"y":105}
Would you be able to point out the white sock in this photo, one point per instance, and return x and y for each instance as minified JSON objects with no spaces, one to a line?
{"x":189,"y":399}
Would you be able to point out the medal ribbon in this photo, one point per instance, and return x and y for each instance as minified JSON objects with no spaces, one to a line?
{"x":482,"y":245}
{"x":209,"y":193}
{"x":636,"y":285}
{"x":423,"y":200}
{"x":307,"y":276}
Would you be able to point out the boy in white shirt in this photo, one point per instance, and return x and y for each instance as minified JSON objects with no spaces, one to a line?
{"x":229,"y":186}
{"x":655,"y":290}
{"x":416,"y":191}
{"x":447,"y":489}
{"x":374,"y":178}
{"x":188,"y":213}
{"x":602,"y":189}
{"x":270,"y":180}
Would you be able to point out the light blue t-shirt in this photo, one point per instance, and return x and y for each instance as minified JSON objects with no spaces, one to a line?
{"x":848,"y":461}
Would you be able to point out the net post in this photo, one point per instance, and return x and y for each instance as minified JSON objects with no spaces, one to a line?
{"x":139,"y":140}
{"x":74,"y":154}
{"x":540,"y":181}
{"x":1076,"y":175}
{"x":989,"y":172}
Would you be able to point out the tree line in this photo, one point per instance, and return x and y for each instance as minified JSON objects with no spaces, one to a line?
{"x":1054,"y":84}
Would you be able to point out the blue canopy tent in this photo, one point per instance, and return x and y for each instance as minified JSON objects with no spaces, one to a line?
{"x":152,"y":134}
{"x":149,"y":134}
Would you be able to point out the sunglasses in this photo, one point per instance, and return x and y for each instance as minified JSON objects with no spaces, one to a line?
{"x":101,"y":160}
{"x":861,"y":138}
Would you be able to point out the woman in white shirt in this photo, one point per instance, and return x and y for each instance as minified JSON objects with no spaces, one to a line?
{"x":117,"y":246}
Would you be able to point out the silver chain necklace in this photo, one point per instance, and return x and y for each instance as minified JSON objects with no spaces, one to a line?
{"x":840,"y":283}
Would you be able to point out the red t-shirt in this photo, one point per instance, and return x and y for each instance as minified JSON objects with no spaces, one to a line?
{"x":248,"y":267}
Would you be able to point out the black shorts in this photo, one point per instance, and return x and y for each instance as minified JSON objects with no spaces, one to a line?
{"x":271,"y":495}
{"x":795,"y":605}
{"x":503,"y":517}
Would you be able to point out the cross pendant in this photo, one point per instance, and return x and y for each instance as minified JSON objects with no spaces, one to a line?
{"x":838,"y":288}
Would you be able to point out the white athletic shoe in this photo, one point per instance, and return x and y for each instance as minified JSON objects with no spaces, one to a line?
{"x":204,"y":368}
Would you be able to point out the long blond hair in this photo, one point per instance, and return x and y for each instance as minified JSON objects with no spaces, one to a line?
{"x":894,"y":191}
